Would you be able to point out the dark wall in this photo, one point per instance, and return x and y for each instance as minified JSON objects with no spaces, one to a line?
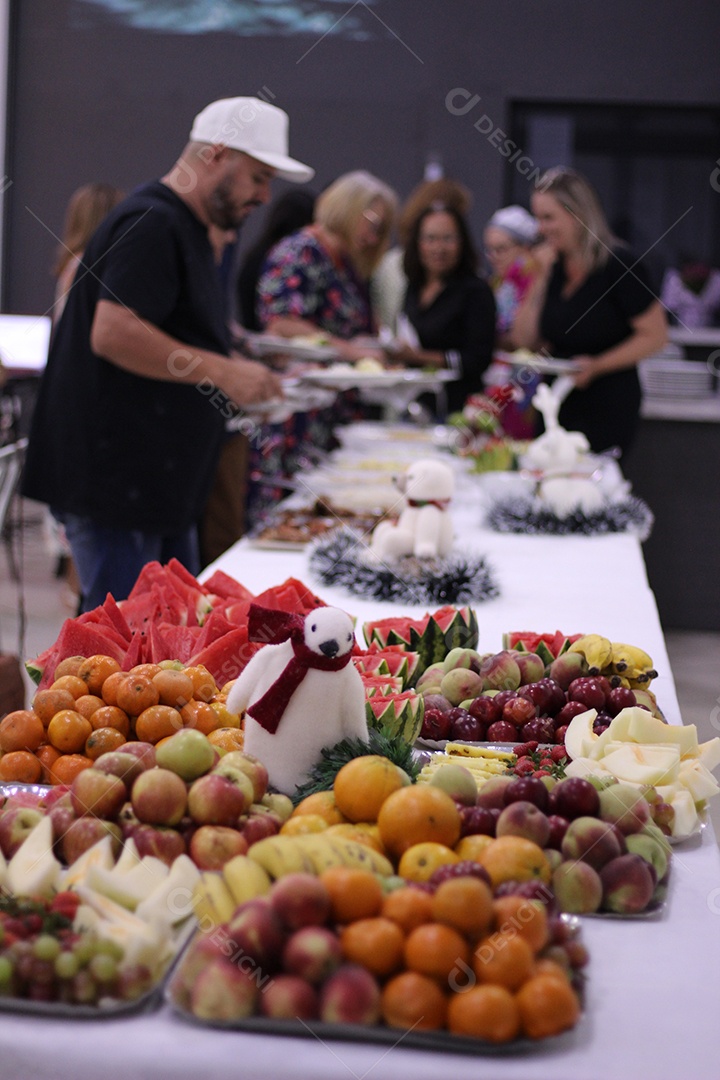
{"x":95,"y":99}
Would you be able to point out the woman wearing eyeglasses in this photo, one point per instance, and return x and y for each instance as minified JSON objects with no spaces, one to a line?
{"x":591,"y":302}
{"x":316,"y":279}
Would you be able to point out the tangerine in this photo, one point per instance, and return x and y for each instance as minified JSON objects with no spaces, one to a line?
{"x":21,"y":730}
{"x":485,"y":1012}
{"x":465,"y":903}
{"x":408,"y":907}
{"x":377,"y":944}
{"x":513,"y":858}
{"x":526,"y":917}
{"x":110,"y":687}
{"x":362,"y":832}
{"x":322,"y":803}
{"x":68,"y":730}
{"x":421,"y":861}
{"x":503,"y":958}
{"x":156,"y":722}
{"x":22,"y":766}
{"x":438,"y":951}
{"x":363,"y":784}
{"x":303,"y":824}
{"x":225,"y":717}
{"x":47,"y":755}
{"x":75,"y":686}
{"x":95,"y":670}
{"x":146,"y":670}
{"x":470,"y":847}
{"x":87,"y":704}
{"x":174,"y":687}
{"x":67,"y":766}
{"x":69,"y":665}
{"x":135,"y":693}
{"x":354,"y":893}
{"x":412,"y":1000}
{"x":227,"y":739}
{"x":47,"y":702}
{"x":204,"y":685}
{"x":200,"y":715}
{"x":547,"y":1006}
{"x":111,"y":716}
{"x":418,"y":813}
{"x":101,"y":740}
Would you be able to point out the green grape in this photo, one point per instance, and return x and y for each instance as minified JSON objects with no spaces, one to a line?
{"x":46,"y":947}
{"x":85,"y":949}
{"x":67,"y":965}
{"x":6,"y":970}
{"x":103,"y":968}
{"x":106,"y":947}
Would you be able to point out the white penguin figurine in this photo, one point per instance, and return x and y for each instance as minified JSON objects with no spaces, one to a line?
{"x":299,"y":693}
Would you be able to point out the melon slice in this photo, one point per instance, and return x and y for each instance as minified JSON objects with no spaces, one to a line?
{"x":33,"y":869}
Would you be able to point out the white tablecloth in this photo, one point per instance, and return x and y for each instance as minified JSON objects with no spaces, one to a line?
{"x":653,"y":995}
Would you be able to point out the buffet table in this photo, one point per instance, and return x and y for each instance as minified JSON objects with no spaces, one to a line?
{"x":653,"y":992}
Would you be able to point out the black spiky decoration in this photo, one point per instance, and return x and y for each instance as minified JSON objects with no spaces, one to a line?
{"x":340,"y":558}
{"x":527,"y":516}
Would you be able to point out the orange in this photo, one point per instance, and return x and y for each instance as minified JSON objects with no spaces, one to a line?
{"x":363,"y":832}
{"x":68,"y":766}
{"x":69,"y":666}
{"x":21,"y":730}
{"x":545,"y":965}
{"x":135,"y":693}
{"x":438,"y":951}
{"x":146,"y":670}
{"x":408,"y":907}
{"x":227,"y":738}
{"x":471,"y":847}
{"x":376,"y":944}
{"x":415,"y":814}
{"x":303,"y":824}
{"x":87,"y":704}
{"x":75,"y":686}
{"x":21,"y":766}
{"x":47,"y":755}
{"x":175,"y":687}
{"x":156,"y":722}
{"x":101,"y":740}
{"x":412,"y":1000}
{"x":47,"y":702}
{"x":204,"y":685}
{"x":111,"y":716}
{"x":485,"y":1012}
{"x":503,"y":958}
{"x":354,"y":894}
{"x":526,"y":917}
{"x":110,"y":687}
{"x":68,"y":730}
{"x":363,"y":784}
{"x":95,"y":670}
{"x":420,"y":861}
{"x":513,"y":858}
{"x":465,"y":903}
{"x":547,"y":1006}
{"x":322,"y":803}
{"x":225,"y":717}
{"x":200,"y":715}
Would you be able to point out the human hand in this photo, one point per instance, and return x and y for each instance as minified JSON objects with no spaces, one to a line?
{"x":351,"y":351}
{"x":544,"y":255}
{"x":586,"y":371}
{"x":247,"y":382}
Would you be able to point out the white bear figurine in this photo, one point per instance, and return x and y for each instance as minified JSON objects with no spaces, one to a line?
{"x":300,"y":695}
{"x":424,"y":528}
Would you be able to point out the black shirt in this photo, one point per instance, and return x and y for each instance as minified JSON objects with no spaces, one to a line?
{"x":125,"y":450}
{"x":595,"y":318}
{"x":460,"y":319}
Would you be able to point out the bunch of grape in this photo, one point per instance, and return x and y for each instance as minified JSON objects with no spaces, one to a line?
{"x":43,"y":958}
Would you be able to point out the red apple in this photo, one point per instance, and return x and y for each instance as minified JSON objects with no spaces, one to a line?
{"x":119,"y":763}
{"x":84,"y":832}
{"x":159,"y":797}
{"x":158,"y":840}
{"x":350,"y":996}
{"x":216,"y":800}
{"x":300,"y":900}
{"x":16,"y":823}
{"x":255,"y":930}
{"x":144,"y":751}
{"x":98,"y":793}
{"x":211,"y":846}
{"x":248,"y":764}
{"x":256,"y":827}
{"x":313,"y":953}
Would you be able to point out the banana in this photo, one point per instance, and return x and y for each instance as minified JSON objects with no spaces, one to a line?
{"x":280,"y":855}
{"x":361,"y":856}
{"x":213,"y":900}
{"x":245,"y":878}
{"x":597,"y":650}
{"x":633,"y":663}
{"x":321,"y":851}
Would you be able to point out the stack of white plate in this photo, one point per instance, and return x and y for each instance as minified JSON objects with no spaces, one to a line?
{"x":675,"y":378}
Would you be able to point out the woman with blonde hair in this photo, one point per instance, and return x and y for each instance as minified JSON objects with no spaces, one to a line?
{"x":87,"y":207}
{"x":316,"y":279}
{"x":590,"y":302}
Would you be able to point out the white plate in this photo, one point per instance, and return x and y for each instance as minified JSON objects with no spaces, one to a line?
{"x":543,"y":365}
{"x":347,"y":378}
{"x":270,"y":344}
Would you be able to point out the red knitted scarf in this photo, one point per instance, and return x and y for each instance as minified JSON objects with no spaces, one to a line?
{"x":273,"y":627}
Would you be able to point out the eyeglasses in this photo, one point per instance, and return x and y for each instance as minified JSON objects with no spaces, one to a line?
{"x":498,"y":249}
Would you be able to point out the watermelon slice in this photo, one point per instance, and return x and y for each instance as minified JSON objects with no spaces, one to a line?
{"x":431,"y":637}
{"x":392,"y":660}
{"x":396,"y":715}
{"x":547,"y":646}
{"x":381,"y":684}
{"x":226,"y":657}
{"x":292,"y":596}
{"x":221,"y":584}
{"x":78,"y":639}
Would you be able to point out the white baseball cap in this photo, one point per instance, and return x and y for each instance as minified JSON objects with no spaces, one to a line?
{"x":253,"y":126}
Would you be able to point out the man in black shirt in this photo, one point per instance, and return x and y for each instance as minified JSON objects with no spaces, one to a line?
{"x":140,"y":377}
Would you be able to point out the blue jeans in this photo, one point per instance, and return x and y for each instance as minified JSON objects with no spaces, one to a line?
{"x":109,"y":560}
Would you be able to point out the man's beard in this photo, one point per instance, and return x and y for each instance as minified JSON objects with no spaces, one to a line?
{"x":223,"y":213}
